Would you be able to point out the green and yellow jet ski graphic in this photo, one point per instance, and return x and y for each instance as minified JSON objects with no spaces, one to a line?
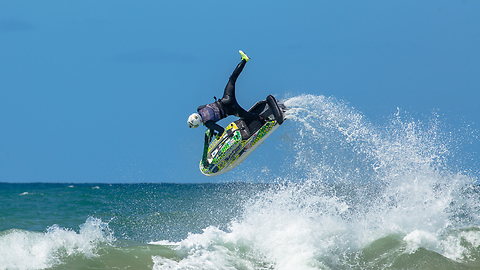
{"x":240,"y":138}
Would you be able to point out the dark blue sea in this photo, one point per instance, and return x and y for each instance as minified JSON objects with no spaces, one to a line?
{"x":341,"y":193}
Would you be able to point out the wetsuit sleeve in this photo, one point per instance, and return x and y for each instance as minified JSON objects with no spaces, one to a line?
{"x":214,"y":126}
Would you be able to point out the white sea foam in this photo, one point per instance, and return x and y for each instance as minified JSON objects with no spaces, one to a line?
{"x":34,"y":250}
{"x":418,"y":238}
{"x":419,"y":196}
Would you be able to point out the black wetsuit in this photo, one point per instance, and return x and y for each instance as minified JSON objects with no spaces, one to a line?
{"x":228,"y":104}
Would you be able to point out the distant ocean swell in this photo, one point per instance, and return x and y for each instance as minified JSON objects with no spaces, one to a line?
{"x":350,"y":195}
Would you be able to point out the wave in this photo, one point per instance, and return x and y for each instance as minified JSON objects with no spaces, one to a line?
{"x":349,"y":195}
{"x":21,"y":249}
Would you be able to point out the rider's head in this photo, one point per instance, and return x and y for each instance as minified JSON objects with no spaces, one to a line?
{"x":194,"y":120}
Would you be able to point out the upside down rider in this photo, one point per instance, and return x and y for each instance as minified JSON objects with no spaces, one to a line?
{"x":211,"y":113}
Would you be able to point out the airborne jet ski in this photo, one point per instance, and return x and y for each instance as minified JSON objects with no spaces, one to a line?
{"x":240,"y":138}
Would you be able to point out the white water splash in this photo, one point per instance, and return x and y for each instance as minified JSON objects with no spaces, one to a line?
{"x":352,"y":183}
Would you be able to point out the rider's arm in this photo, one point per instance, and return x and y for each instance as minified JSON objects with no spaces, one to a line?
{"x":214,"y":126}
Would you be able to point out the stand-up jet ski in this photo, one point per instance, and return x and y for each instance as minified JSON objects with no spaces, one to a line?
{"x":240,"y":138}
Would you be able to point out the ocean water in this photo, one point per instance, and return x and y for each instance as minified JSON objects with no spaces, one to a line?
{"x":346,"y":194}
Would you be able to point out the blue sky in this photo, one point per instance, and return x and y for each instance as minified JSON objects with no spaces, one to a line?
{"x":99,"y":91}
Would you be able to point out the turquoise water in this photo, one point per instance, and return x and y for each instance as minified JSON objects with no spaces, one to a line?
{"x":349,"y":195}
{"x":137,"y":212}
{"x":83,"y":225}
